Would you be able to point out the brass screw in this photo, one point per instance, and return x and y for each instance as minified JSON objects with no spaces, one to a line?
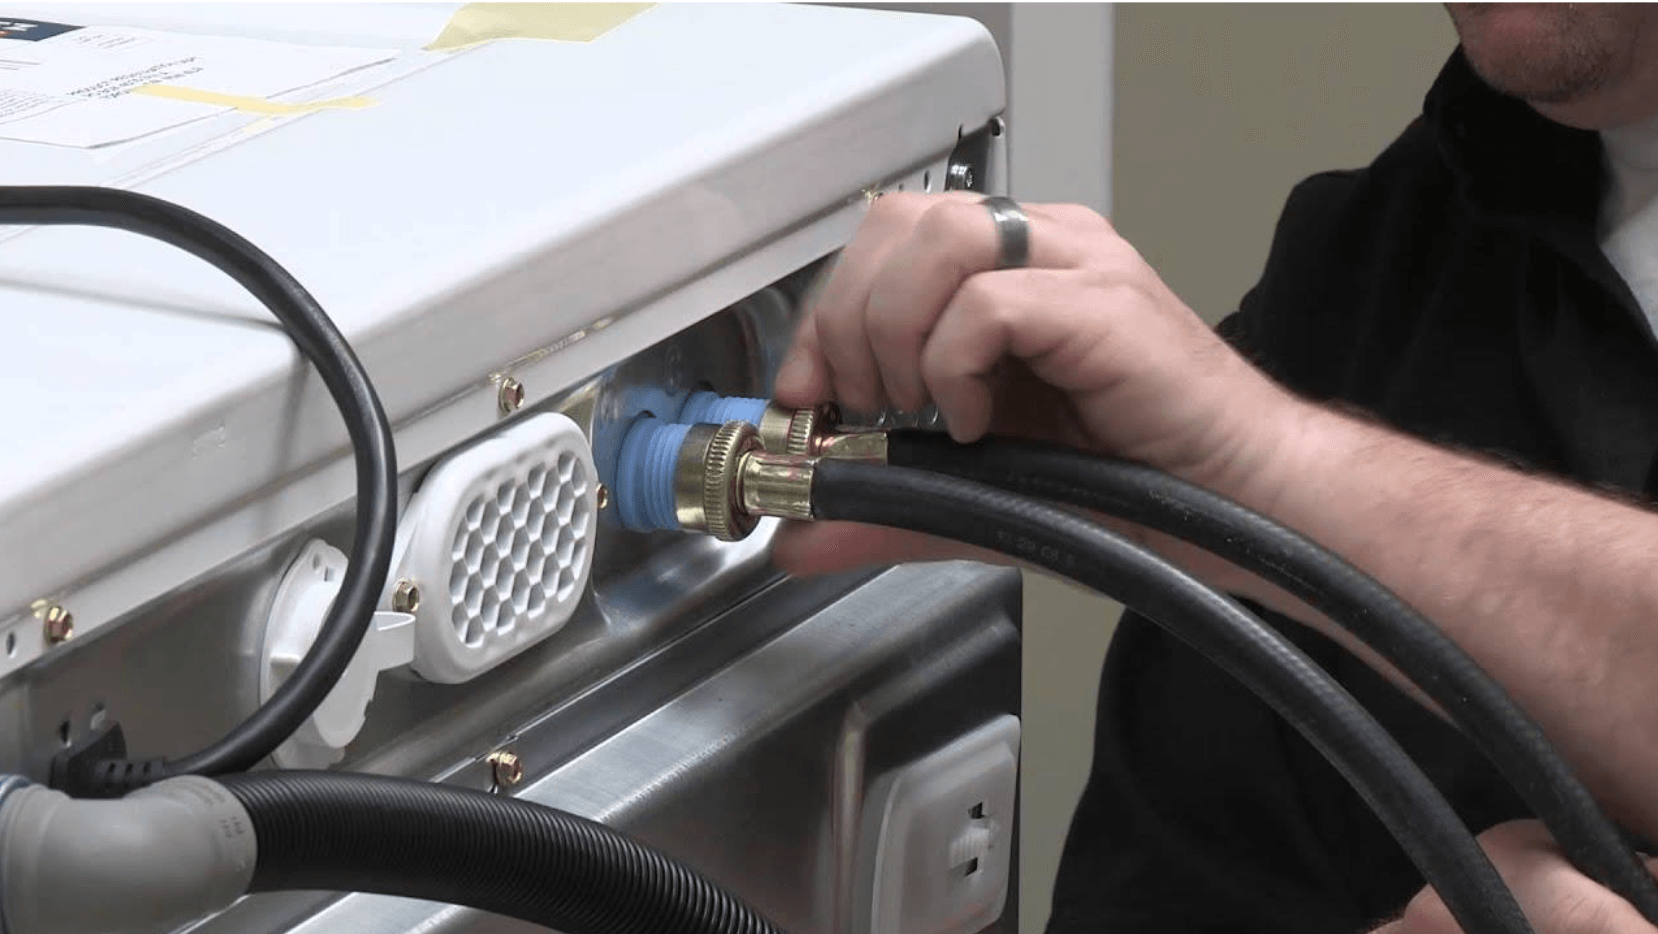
{"x":602,"y":494}
{"x":506,"y":767}
{"x":405,"y":597}
{"x":59,"y":623}
{"x":511,"y":395}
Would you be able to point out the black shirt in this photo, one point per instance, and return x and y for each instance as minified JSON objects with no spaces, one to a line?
{"x":1456,"y":289}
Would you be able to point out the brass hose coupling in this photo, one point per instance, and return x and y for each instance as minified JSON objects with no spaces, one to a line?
{"x":815,"y":432}
{"x":795,"y":431}
{"x":725,"y":480}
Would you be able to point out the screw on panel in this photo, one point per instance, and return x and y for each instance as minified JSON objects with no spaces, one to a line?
{"x":506,"y":768}
{"x":602,"y":494}
{"x":960,"y":177}
{"x":511,"y":395}
{"x":57,"y":622}
{"x":405,"y":597}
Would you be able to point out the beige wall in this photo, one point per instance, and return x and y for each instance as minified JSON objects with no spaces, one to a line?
{"x":1219,"y":110}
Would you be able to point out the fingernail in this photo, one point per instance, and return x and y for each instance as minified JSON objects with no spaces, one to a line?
{"x":962,"y":429}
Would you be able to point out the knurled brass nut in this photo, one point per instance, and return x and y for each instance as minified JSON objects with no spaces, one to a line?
{"x":811,"y":427}
{"x":726,"y":518}
{"x":802,"y":433}
{"x":796,"y":431}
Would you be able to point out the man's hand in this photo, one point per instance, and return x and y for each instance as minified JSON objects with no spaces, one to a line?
{"x":1549,"y":586}
{"x":1086,"y":347}
{"x":1557,"y":898}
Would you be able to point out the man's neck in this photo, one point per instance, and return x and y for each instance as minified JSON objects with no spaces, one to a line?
{"x":1629,"y":102}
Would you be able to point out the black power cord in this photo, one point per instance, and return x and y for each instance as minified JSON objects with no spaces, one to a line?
{"x":1507,"y":736}
{"x":371,"y":440}
{"x":1310,"y":700}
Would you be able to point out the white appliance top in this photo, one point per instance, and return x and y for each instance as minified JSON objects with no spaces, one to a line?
{"x":513,"y":195}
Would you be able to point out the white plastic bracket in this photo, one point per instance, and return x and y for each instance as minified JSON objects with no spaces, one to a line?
{"x":297,"y":612}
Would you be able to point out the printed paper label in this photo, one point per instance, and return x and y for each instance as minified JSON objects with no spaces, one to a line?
{"x":83,"y":86}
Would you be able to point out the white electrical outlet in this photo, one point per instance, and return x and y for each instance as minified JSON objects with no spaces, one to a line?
{"x":943,"y":836}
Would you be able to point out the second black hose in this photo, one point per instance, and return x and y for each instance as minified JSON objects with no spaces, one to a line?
{"x":1311,"y":701}
{"x":1497,"y":726}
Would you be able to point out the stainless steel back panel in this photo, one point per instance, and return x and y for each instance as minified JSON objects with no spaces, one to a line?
{"x":754,"y":773}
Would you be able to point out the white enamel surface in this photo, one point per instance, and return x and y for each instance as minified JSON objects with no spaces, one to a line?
{"x":595,"y":196}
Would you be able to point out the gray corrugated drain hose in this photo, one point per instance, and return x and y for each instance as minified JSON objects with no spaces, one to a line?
{"x":166,"y":854}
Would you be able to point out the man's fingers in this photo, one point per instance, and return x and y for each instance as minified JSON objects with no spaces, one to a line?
{"x":840,"y":312}
{"x":861,"y":344}
{"x":842,"y":347}
{"x":950,"y":242}
{"x":989,"y":318}
{"x":827,"y":349}
{"x":1555,"y":897}
{"x":803,"y":380}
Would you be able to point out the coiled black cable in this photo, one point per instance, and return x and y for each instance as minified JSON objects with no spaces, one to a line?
{"x":1263,"y":660}
{"x":371,"y":441}
{"x":1513,"y":742}
{"x":329,"y":831}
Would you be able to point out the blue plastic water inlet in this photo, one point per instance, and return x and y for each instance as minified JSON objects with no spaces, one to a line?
{"x":645,"y":475}
{"x":709,"y":408}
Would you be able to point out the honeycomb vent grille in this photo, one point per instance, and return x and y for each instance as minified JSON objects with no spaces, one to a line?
{"x":517,"y":544}
{"x":499,"y":540}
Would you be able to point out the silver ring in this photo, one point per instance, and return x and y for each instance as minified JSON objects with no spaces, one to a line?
{"x":1012,"y":231}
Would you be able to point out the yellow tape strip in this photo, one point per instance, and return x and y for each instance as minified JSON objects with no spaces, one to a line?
{"x":476,"y":23}
{"x":252,"y":105}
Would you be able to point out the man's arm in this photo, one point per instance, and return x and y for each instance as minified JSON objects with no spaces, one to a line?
{"x":1553,"y":589}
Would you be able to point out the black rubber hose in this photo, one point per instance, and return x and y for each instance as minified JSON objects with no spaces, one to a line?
{"x":371,"y":441}
{"x":338,"y":832}
{"x":1265,"y":662}
{"x":1513,"y":742}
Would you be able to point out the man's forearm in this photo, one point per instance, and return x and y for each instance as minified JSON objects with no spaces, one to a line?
{"x":1551,"y":588}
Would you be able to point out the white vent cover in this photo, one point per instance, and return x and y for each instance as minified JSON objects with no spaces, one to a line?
{"x":499,"y":542}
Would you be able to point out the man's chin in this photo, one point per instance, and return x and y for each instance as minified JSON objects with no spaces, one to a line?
{"x":1543,"y":53}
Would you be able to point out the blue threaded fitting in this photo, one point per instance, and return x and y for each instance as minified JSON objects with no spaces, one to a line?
{"x":645,"y":475}
{"x":711,"y":408}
